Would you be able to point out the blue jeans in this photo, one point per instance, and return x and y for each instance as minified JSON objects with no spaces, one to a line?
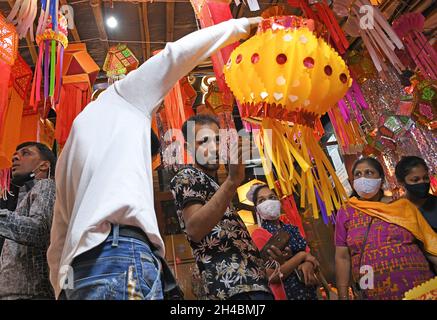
{"x":120,"y":268}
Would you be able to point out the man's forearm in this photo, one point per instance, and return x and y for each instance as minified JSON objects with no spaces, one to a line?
{"x":207,"y":217}
{"x":24,"y":230}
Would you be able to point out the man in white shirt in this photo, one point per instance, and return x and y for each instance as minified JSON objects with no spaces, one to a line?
{"x":105,"y":241}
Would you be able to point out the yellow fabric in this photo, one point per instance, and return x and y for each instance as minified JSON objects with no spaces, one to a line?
{"x":277,"y":145}
{"x":404,"y":214}
{"x":424,"y":291}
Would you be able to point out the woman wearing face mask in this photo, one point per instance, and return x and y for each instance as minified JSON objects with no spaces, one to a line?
{"x":268,"y":210}
{"x":380,"y":239}
{"x":413,"y":174}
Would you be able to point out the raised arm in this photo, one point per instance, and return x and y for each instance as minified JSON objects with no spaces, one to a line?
{"x":145,"y":87}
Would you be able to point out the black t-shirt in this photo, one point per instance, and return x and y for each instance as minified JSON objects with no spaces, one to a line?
{"x":429,"y":211}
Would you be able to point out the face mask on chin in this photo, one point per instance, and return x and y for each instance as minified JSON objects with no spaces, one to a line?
{"x":367,"y":188}
{"x":269,"y":209}
{"x":21,"y":179}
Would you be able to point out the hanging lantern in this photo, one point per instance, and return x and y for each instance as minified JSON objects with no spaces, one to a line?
{"x":217,"y":101}
{"x":286,"y":78}
{"x":361,"y":66}
{"x":52,"y":39}
{"x":119,"y":62}
{"x":378,"y":36}
{"x":425,"y":103}
{"x":22,"y":15}
{"x":328,"y":26}
{"x":409,"y":27}
{"x":79,"y":74}
{"x":8,"y":41}
{"x":8,"y":54}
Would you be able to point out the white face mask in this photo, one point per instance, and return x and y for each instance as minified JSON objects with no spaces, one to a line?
{"x":269,"y":209}
{"x":367,"y":188}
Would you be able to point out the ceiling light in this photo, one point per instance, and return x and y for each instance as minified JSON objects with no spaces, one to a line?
{"x":111,"y":22}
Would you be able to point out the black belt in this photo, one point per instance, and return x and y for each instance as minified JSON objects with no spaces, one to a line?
{"x":132,"y":232}
{"x":170,"y":286}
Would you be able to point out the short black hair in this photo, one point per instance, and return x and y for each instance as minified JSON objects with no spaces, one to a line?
{"x":374,"y":163}
{"x":405,"y":165}
{"x":199,"y":119}
{"x":44,"y":152}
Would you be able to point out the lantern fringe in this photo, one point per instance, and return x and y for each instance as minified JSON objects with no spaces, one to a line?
{"x":324,"y":14}
{"x":410,"y":27}
{"x":283,"y":146}
{"x":380,"y":40}
{"x":5,"y":181}
{"x":22,"y":15}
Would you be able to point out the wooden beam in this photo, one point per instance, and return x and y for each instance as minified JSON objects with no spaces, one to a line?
{"x":145,"y":21}
{"x":29,"y":42}
{"x":143,"y":37}
{"x":170,"y":21}
{"x":96,"y":5}
{"x":74,"y":32}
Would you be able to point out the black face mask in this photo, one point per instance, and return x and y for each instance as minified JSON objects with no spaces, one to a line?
{"x":419,"y":190}
{"x":20,"y":180}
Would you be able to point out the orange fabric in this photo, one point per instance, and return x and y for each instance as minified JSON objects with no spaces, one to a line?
{"x":5,"y":71}
{"x":260,"y":237}
{"x":75,"y":95}
{"x":404,"y":214}
{"x":29,"y":128}
{"x":10,"y":130}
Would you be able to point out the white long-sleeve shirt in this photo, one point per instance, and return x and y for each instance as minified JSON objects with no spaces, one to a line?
{"x":104,"y":173}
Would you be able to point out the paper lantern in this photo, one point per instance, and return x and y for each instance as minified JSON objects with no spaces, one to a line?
{"x":361,"y":66}
{"x":425,"y":103}
{"x":8,"y":54}
{"x":286,"y":78}
{"x":78,"y":61}
{"x":410,"y":28}
{"x":17,"y":90}
{"x":79,"y":74}
{"x":119,"y":62}
{"x":21,"y":77}
{"x":8,"y":41}
{"x":22,"y":15}
{"x":328,"y":27}
{"x":52,"y":39}
{"x":378,"y":36}
{"x":218,"y":101}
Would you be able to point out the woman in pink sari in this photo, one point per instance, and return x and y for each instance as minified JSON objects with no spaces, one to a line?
{"x":380,"y":238}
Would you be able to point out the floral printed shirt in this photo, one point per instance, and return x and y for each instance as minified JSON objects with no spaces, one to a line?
{"x":228,"y":260}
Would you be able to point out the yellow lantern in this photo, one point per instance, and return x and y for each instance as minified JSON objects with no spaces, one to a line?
{"x":286,"y":78}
